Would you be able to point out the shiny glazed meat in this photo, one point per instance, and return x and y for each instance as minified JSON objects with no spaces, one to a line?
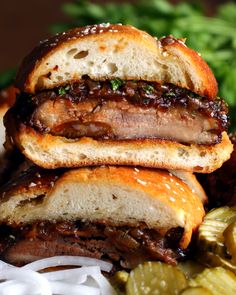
{"x":124,"y":246}
{"x":134,"y":110}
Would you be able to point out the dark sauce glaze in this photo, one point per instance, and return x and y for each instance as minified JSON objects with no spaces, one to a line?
{"x":141,"y":93}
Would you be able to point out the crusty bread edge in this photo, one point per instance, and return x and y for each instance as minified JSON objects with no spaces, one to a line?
{"x":191,"y":180}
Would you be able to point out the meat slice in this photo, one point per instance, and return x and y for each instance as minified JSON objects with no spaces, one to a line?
{"x":131,"y":110}
{"x":122,"y":120}
{"x":124,"y":246}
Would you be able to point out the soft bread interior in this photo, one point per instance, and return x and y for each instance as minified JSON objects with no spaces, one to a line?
{"x":114,"y":51}
{"x":122,"y":196}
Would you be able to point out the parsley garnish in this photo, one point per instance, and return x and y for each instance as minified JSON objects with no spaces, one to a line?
{"x":63,"y":90}
{"x":170,"y":94}
{"x":116,"y":83}
{"x":148,"y":89}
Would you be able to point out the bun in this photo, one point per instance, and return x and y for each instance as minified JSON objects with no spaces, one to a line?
{"x":114,"y":51}
{"x":116,"y":194}
{"x":51,"y":152}
{"x":191,"y":180}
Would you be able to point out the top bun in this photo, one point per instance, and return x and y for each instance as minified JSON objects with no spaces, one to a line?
{"x":108,"y":51}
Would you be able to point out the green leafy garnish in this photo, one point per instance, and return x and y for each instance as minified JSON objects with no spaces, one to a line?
{"x":116,"y":83}
{"x":170,"y":94}
{"x":7,"y":77}
{"x":148,"y":89}
{"x":63,"y":90}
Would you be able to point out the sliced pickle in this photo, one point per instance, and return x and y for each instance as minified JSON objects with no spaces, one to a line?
{"x":217,"y":280}
{"x":225,"y":214}
{"x":210,"y":233}
{"x":190,"y":268}
{"x":155,"y":278}
{"x":212,"y":260}
{"x":119,"y":280}
{"x":230,"y":240}
{"x":196,"y":291}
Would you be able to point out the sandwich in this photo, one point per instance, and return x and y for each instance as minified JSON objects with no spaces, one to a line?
{"x":114,"y":95}
{"x":125,"y":215}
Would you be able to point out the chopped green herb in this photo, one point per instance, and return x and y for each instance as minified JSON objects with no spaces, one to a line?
{"x":63,"y":90}
{"x":148,"y":89}
{"x":116,"y":83}
{"x":170,"y":94}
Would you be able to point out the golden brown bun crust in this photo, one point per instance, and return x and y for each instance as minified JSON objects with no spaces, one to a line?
{"x":157,"y":189}
{"x":191,"y":180}
{"x":52,"y":152}
{"x":207,"y":84}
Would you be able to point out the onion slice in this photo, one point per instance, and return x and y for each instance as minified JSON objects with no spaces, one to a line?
{"x":17,"y":288}
{"x":63,"y":288}
{"x":68,"y":261}
{"x":70,"y":273}
{"x":4,"y":265}
{"x":105,"y":287}
{"x":29,"y":276}
{"x":87,"y":278}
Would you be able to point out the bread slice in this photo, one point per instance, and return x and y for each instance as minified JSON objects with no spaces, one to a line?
{"x":191,"y":180}
{"x":51,"y":152}
{"x":114,"y":51}
{"x":120,"y":195}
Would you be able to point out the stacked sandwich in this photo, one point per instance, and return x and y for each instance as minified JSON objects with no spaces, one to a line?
{"x":115,"y":122}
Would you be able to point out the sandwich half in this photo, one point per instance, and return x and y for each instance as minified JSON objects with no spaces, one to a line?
{"x":120,"y":214}
{"x":114,"y":95}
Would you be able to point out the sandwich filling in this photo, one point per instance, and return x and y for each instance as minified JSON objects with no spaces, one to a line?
{"x":124,"y":110}
{"x":124,"y":246}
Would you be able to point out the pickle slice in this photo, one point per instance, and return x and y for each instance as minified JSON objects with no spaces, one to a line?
{"x":155,"y":278}
{"x":212,"y":260}
{"x":230,"y":240}
{"x":190,"y":268}
{"x":210,"y":233}
{"x":217,"y":280}
{"x":225,"y":214}
{"x":119,"y":280}
{"x":196,"y":291}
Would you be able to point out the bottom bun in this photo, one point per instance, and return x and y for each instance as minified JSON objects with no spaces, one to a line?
{"x":51,"y":152}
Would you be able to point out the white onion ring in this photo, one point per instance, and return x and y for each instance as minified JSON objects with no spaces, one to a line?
{"x":28,"y":276}
{"x":63,"y":288}
{"x":68,"y":261}
{"x":69,"y":273}
{"x":4,"y":265}
{"x":17,"y":288}
{"x":87,"y":279}
{"x":105,"y":287}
